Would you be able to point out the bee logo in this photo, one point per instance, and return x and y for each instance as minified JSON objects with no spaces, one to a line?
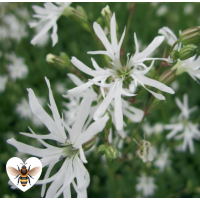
{"x":24,"y":174}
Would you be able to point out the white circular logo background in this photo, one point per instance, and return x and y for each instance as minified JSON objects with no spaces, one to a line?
{"x":32,"y":162}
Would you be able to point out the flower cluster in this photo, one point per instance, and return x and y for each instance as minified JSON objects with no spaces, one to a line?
{"x":102,"y":103}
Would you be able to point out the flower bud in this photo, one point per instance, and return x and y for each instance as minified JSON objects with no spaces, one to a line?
{"x":81,"y":16}
{"x":61,"y":61}
{"x":174,"y":55}
{"x":68,"y":11}
{"x":156,"y":105}
{"x":167,"y":77}
{"x":50,"y":58}
{"x":111,"y":153}
{"x":190,"y":36}
{"x":107,"y":15}
{"x":82,"y":13}
{"x":106,"y":12}
{"x":187,"y":51}
{"x":89,"y":144}
{"x":101,"y":149}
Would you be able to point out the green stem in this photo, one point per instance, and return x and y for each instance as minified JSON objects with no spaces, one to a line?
{"x":104,"y":139}
{"x":128,"y":24}
{"x":130,"y":144}
{"x":171,"y":48}
{"x":111,"y":178}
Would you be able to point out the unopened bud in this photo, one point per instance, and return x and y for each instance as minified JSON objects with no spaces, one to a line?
{"x":190,"y":36}
{"x":60,"y":61}
{"x":106,"y":15}
{"x":89,"y":144}
{"x":81,"y":16}
{"x":167,"y":77}
{"x":156,"y":105}
{"x":81,"y":13}
{"x":111,"y":153}
{"x":174,"y":55}
{"x":187,"y":51}
{"x":106,"y":12}
{"x":50,"y":58}
{"x":68,"y":11}
{"x":101,"y":149}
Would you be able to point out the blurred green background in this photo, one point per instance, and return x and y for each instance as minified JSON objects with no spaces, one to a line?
{"x":181,"y":178}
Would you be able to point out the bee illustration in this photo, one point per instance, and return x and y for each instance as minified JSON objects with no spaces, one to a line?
{"x":23,"y":174}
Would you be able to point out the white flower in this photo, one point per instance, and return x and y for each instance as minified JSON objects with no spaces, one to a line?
{"x":162,"y":10}
{"x":170,"y":37}
{"x":175,"y":85}
{"x":70,"y":147}
{"x":15,"y":29}
{"x":132,"y":113}
{"x":155,"y":129}
{"x":73,"y":105}
{"x":135,"y":69}
{"x":23,"y":13}
{"x":188,"y":9}
{"x":48,"y":17}
{"x":189,"y":130}
{"x":191,"y":65}
{"x":60,"y":87}
{"x":17,"y":68}
{"x":3,"y":81}
{"x":162,"y":161}
{"x":146,"y":185}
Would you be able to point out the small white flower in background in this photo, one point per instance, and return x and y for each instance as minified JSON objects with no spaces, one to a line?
{"x":175,"y":85}
{"x":158,"y":128}
{"x":147,"y":129}
{"x":17,"y":68}
{"x":191,"y":65}
{"x":70,"y":147}
{"x":23,"y":13}
{"x":162,"y":160}
{"x":24,"y":111}
{"x":3,"y":33}
{"x":162,"y":10}
{"x":48,"y":17}
{"x":146,"y":185}
{"x":155,"y":129}
{"x":188,"y":9}
{"x":135,"y":68}
{"x":60,"y":87}
{"x":3,"y":81}
{"x":15,"y":29}
{"x":189,"y":131}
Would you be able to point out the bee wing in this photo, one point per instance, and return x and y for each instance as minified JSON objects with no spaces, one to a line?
{"x":13,"y":171}
{"x":34,"y":171}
